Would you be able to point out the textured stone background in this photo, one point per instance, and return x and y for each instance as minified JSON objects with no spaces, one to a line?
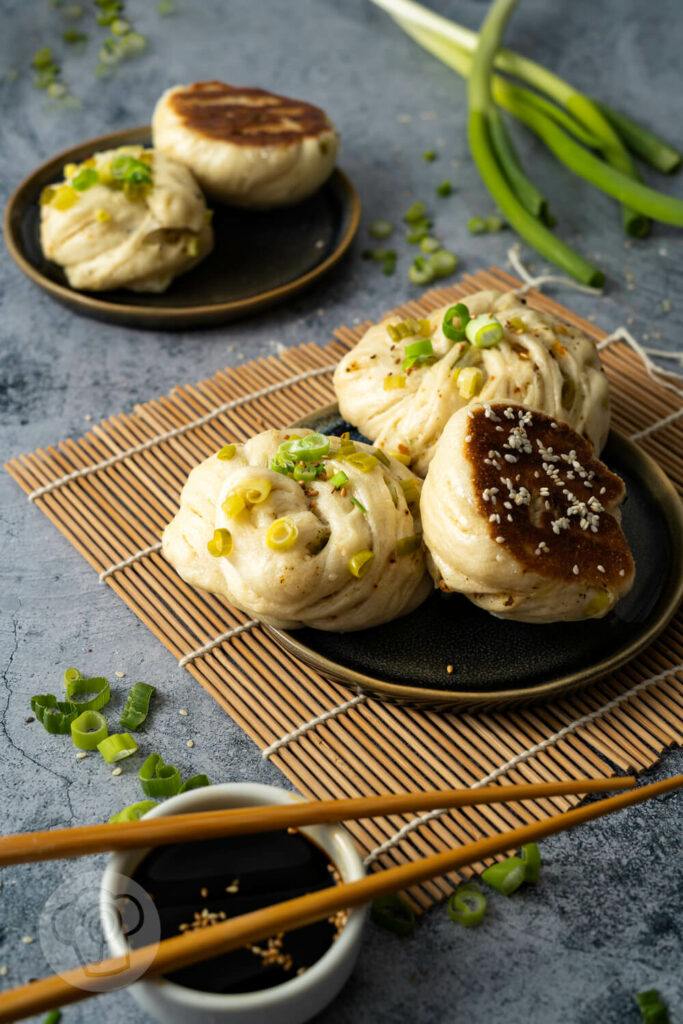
{"x":605,"y":920}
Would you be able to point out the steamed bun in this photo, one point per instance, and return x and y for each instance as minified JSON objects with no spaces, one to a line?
{"x":125,"y":218}
{"x":333,"y":553}
{"x":246,"y":147}
{"x":540,"y":362}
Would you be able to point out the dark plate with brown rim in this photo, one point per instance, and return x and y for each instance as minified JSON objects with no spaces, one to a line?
{"x":498,"y":662}
{"x":260,"y":258}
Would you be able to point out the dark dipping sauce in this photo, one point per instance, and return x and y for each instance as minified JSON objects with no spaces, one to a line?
{"x":196,"y":885}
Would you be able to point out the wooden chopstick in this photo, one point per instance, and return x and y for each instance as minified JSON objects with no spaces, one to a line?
{"x":178,"y":828}
{"x":192,"y":947}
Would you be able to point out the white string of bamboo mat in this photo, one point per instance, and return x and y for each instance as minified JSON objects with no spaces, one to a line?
{"x":518,"y":759}
{"x":217,"y":641}
{"x":167,"y":435}
{"x":312,"y":723}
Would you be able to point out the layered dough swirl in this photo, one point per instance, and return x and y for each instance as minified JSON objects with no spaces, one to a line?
{"x":540,"y":362}
{"x":310,"y":582}
{"x":521,"y":517}
{"x":116,"y":234}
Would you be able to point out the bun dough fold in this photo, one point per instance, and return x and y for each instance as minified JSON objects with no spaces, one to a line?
{"x":522,"y":518}
{"x":139,"y":238}
{"x":309,"y":583}
{"x":246,"y":147}
{"x":540,"y":362}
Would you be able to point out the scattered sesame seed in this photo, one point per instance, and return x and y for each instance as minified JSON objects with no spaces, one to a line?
{"x":204,"y":892}
{"x":119,"y":675}
{"x":575,"y":570}
{"x":190,"y":744}
{"x":666,"y":305}
{"x":601,"y":568}
{"x":27,"y":940}
{"x":3,"y":970}
{"x":88,"y":418}
{"x":621,"y":572}
{"x":449,"y":669}
{"x":117,"y":771}
{"x":80,"y":755}
{"x":663,"y":251}
{"x":500,"y":540}
{"x":184,"y":712}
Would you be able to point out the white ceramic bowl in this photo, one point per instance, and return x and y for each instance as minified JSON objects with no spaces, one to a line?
{"x":293,"y":1001}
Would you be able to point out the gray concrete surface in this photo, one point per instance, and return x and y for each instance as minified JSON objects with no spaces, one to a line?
{"x":605,"y":920}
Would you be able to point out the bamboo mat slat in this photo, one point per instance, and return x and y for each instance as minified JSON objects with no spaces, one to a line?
{"x":368,"y":746}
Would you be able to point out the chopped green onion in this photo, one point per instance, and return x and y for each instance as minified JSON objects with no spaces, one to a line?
{"x":380,"y":228}
{"x":195,"y":782}
{"x":394,"y":381}
{"x":282,"y":534}
{"x":420,"y":271}
{"x":70,"y":674}
{"x":418,"y":232}
{"x":99,"y":686}
{"x":226,"y":453}
{"x":339,"y":479}
{"x":360,"y":563}
{"x":120,"y":27}
{"x":159,"y":779}
{"x":355,"y":501}
{"x":379,"y":454}
{"x":484,"y":331}
{"x":126,"y":168}
{"x":307,"y":449}
{"x":72,"y":12}
{"x":220,"y":545}
{"x":506,"y":876}
{"x":389,"y":264}
{"x":53,"y":1017}
{"x":470,"y":380}
{"x":54,"y":715}
{"x":532,"y":859}
{"x":116,"y":747}
{"x":652,"y":1009}
{"x":42,"y":58}
{"x":429,"y":155}
{"x":72,"y":35}
{"x":444,"y":189}
{"x":393,"y":913}
{"x":378,"y":254}
{"x":166,"y":8}
{"x":407,"y":545}
{"x":305,"y":472}
{"x":423,"y":347}
{"x":133,"y":812}
{"x":415,"y":213}
{"x":88,"y":730}
{"x":85,"y":179}
{"x":233,"y":506}
{"x":361,"y":460}
{"x":429,"y":244}
{"x":448,"y":327}
{"x":477,"y":226}
{"x":136,"y":708}
{"x":443,"y":262}
{"x":467,"y":905}
{"x":494,"y":223}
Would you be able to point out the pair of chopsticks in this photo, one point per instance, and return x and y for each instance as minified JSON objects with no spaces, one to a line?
{"x":193,"y":946}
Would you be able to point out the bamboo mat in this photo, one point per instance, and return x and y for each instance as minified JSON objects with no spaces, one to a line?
{"x":327,"y":741}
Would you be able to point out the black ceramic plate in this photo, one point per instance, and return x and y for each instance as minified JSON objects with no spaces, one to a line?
{"x":259,"y":257}
{"x":496,"y":661}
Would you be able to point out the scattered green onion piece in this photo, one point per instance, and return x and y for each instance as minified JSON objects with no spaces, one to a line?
{"x":127,"y":169}
{"x":532,"y":859}
{"x":42,"y":58}
{"x":429,"y":155}
{"x":159,"y":779}
{"x":355,"y":501}
{"x":380,"y":228}
{"x":166,"y":8}
{"x":133,"y":812}
{"x":506,"y":876}
{"x":442,"y":262}
{"x":420,"y":272}
{"x":360,"y":563}
{"x":393,"y":913}
{"x":394,"y":381}
{"x":429,"y":244}
{"x":226,"y":453}
{"x":495,"y":223}
{"x":195,"y":782}
{"x":652,"y":1009}
{"x":339,"y":479}
{"x":418,"y":233}
{"x":282,"y":534}
{"x":415,"y":213}
{"x":470,"y":380}
{"x":361,"y":460}
{"x":220,"y":545}
{"x":444,"y":189}
{"x":99,"y":686}
{"x":53,"y":1017}
{"x":71,"y":674}
{"x":304,"y":472}
{"x":452,"y":332}
{"x":54,"y":715}
{"x":484,"y":331}
{"x":467,"y":906}
{"x":389,"y":265}
{"x":379,"y":255}
{"x":120,"y":27}
{"x":309,"y":448}
{"x":233,"y":505}
{"x":72,"y":35}
{"x":383,"y":458}
{"x":85,"y":179}
{"x":72,"y":12}
{"x":88,"y":730}
{"x":407,"y":545}
{"x":281,"y":466}
{"x":477,"y":226}
{"x":116,"y":747}
{"x":136,"y":708}
{"x":423,"y":347}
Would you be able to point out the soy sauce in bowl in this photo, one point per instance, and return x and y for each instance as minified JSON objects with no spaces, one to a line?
{"x":198,"y":884}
